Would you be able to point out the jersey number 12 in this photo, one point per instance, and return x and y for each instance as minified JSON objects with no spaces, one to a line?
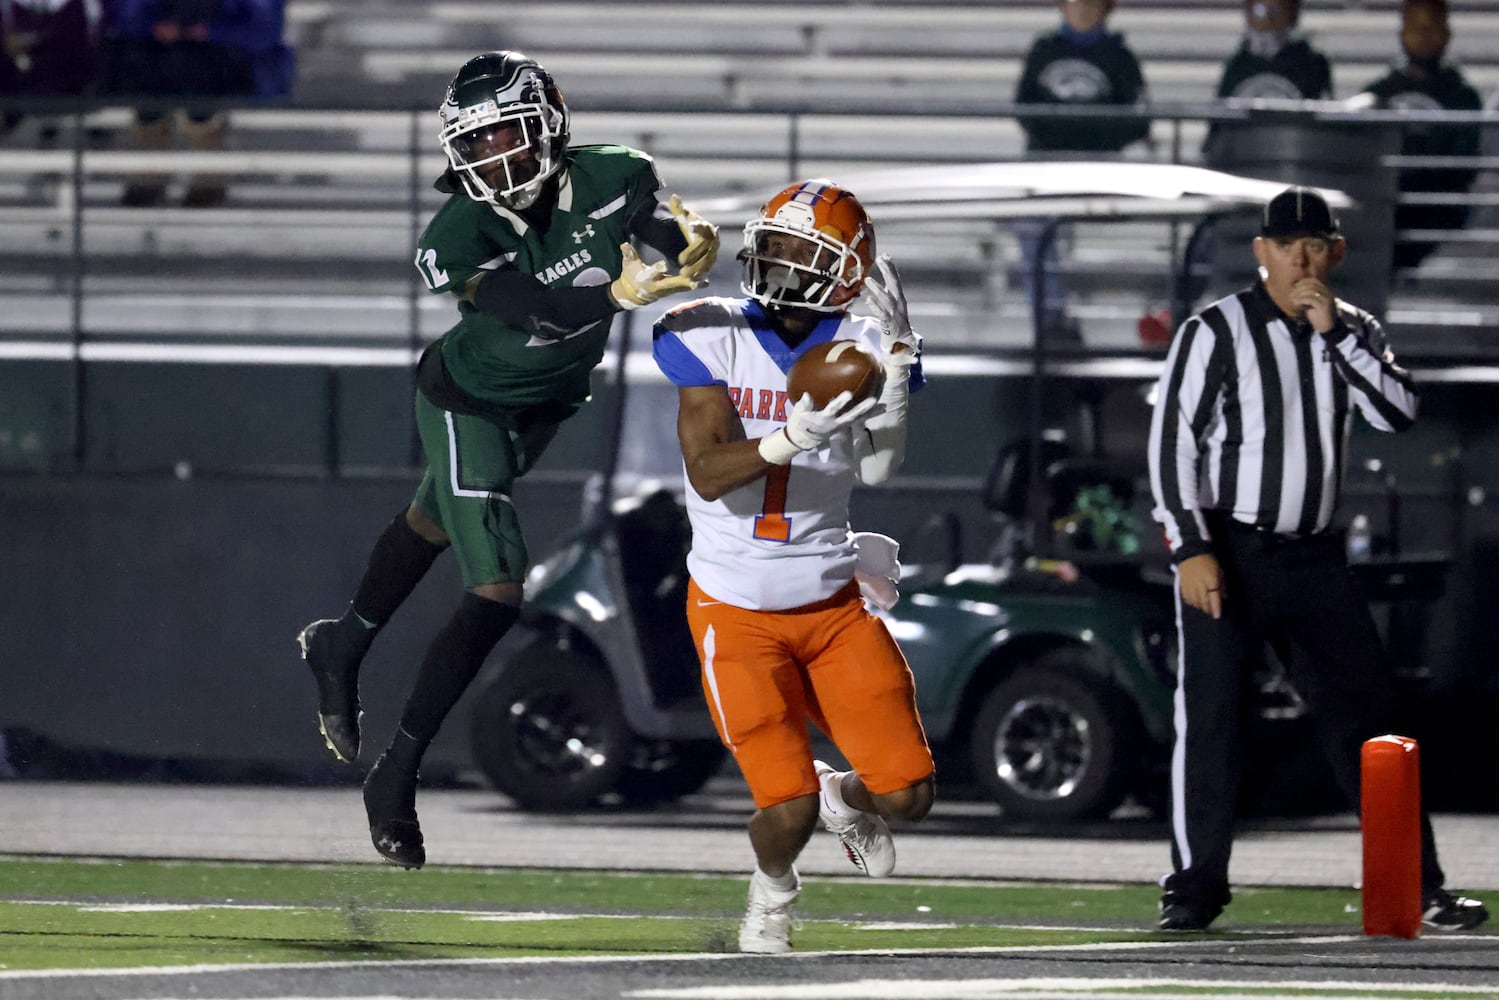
{"x":426,"y":263}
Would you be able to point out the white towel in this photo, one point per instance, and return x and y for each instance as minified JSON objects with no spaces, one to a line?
{"x":878,"y":568}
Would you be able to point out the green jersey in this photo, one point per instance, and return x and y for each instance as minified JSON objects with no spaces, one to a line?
{"x":499,"y":369}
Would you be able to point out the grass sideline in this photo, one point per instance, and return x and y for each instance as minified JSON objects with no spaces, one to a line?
{"x":77,"y":914}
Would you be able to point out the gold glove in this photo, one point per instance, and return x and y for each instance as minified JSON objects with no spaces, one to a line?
{"x":640,"y":283}
{"x":702,"y":241}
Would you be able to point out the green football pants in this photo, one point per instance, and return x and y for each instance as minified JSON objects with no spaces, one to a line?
{"x":472,"y":465}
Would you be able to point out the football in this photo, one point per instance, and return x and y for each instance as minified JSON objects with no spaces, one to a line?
{"x":834,"y":367}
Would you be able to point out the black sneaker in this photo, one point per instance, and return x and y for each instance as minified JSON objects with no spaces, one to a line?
{"x":390,"y":805}
{"x":334,"y":650}
{"x":1183,"y":913}
{"x":1447,"y":912}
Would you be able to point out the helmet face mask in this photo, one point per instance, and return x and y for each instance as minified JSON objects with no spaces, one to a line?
{"x":811,"y":247}
{"x":504,"y":128}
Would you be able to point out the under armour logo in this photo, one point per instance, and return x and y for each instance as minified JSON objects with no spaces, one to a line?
{"x":578,"y":236}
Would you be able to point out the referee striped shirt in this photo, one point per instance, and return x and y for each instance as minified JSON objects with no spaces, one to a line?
{"x":1253,"y":414}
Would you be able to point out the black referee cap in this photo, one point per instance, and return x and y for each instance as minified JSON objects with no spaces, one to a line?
{"x":1298,"y":211}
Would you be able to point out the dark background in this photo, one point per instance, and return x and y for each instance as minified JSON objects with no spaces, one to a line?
{"x":150,"y":599}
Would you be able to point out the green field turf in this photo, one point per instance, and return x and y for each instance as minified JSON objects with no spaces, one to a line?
{"x":58,"y":914}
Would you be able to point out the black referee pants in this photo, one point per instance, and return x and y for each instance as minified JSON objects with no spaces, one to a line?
{"x":1299,"y":595}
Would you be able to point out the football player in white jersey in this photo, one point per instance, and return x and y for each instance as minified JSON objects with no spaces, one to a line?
{"x":775,"y":606}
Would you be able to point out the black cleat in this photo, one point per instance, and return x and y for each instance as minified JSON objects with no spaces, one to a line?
{"x":390,"y":805}
{"x":1182,"y":913}
{"x":1446,"y":912}
{"x":334,"y":652}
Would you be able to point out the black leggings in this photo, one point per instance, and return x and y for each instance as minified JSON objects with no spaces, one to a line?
{"x":1299,"y":595}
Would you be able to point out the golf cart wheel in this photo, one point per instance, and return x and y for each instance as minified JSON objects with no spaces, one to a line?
{"x":666,"y":770}
{"x":548,"y":730}
{"x":1055,"y":742}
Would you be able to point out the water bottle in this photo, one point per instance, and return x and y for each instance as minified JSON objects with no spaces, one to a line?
{"x":1360,"y":539}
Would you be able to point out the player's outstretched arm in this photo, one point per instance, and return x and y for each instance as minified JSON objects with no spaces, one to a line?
{"x":881,"y":448}
{"x":518,"y":300}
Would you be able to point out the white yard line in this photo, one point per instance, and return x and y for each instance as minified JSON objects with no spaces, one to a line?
{"x":1041,"y":988}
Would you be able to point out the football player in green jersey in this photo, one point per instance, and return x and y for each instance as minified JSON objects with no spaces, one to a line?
{"x":535,"y":243}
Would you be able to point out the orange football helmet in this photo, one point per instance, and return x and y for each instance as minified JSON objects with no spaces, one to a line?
{"x":811,"y":247}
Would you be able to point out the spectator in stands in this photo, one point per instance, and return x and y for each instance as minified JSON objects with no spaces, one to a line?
{"x":1272,"y":61}
{"x":51,"y":50}
{"x":1423,"y":81}
{"x":203,"y":50}
{"x":1080,"y":63}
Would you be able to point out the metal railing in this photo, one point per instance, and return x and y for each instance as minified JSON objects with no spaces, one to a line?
{"x":337,"y":223}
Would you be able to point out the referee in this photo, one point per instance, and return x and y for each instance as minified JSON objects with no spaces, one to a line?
{"x":1247,"y":448}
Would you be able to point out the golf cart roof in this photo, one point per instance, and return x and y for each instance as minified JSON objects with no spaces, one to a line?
{"x":1074,"y":189}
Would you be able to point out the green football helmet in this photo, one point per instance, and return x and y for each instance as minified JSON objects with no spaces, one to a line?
{"x":504,"y":128}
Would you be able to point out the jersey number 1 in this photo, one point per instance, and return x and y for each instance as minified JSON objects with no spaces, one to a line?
{"x":772,"y":524}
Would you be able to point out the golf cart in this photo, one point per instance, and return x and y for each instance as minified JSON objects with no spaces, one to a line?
{"x":1043,"y":673}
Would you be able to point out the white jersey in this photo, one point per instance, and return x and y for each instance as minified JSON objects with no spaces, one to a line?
{"x":783,"y":540}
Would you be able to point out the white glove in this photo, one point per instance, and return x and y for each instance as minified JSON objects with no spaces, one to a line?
{"x":807,"y":427}
{"x":882,"y":450}
{"x":900,"y":345}
{"x":702,"y":241}
{"x":640,"y":283}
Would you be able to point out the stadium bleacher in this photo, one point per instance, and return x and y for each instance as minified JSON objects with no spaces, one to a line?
{"x":738,"y":55}
{"x":729,"y":97}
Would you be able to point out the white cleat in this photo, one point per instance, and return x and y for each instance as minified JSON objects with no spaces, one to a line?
{"x":866,"y":837}
{"x":767,"y":925}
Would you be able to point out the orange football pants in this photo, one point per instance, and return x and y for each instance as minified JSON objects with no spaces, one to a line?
{"x":766,"y":674}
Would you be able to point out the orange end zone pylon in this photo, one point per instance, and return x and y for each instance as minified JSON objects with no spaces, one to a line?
{"x":1390,"y":794}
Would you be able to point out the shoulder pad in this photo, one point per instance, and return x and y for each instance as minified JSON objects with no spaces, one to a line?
{"x":700,"y":314}
{"x":607,"y":151}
